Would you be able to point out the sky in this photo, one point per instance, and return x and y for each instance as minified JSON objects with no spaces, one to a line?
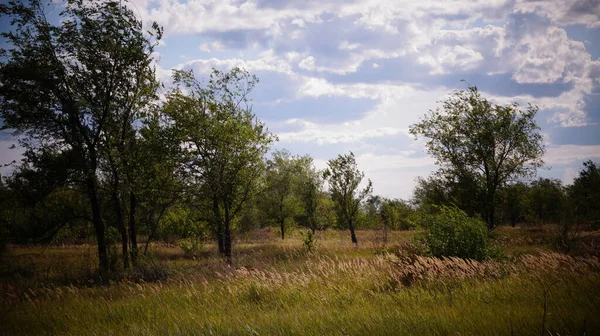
{"x":339,"y":76}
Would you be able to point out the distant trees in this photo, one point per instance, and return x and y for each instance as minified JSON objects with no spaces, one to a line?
{"x":489,"y":144}
{"x":344,"y":179}
{"x":72,"y":89}
{"x":585,"y":194}
{"x":103,"y":153}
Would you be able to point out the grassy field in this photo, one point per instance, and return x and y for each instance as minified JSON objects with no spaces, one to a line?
{"x":277,"y":287}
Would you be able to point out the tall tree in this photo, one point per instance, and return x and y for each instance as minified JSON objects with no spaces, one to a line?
{"x":472,"y":138}
{"x":344,"y":179}
{"x":66,"y":85}
{"x":222,"y":144}
{"x":281,"y":201}
{"x":310,"y":192}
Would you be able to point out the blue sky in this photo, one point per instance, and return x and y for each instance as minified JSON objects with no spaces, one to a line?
{"x":354,"y":75}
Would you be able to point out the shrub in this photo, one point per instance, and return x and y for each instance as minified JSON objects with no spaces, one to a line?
{"x":308,"y":240}
{"x":191,"y":246}
{"x":450,"y":232}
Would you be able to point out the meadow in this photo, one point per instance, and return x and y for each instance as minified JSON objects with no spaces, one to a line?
{"x":278,"y":287}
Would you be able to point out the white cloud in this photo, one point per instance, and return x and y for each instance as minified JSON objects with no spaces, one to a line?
{"x":563,"y":12}
{"x":456,"y":57}
{"x":309,"y":49}
{"x":571,"y":154}
{"x":398,"y":107}
{"x":547,"y":56}
{"x":212,"y":46}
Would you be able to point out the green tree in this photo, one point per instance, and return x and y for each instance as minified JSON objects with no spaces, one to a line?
{"x":221,"y":143}
{"x":344,"y":179}
{"x":372,"y":211}
{"x":280,"y":200}
{"x":437,"y":190}
{"x":310,"y":192}
{"x":64,"y":86}
{"x":545,"y":200}
{"x":390,"y":216}
{"x":157,"y":183}
{"x":471,"y":138}
{"x":513,"y":202}
{"x":584,"y":193}
{"x":325,"y":212}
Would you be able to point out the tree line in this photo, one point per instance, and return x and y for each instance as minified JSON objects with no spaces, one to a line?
{"x":110,"y":152}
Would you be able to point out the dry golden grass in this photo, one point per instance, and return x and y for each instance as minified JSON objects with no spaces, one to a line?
{"x":278,"y":288}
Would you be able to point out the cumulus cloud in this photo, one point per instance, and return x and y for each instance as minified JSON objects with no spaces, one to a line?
{"x":404,"y":56}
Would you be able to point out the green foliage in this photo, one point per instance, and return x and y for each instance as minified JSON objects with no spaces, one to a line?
{"x":513,"y":208}
{"x":486,"y":144}
{"x":344,"y":178}
{"x":545,"y":201}
{"x":325,"y":212}
{"x":585,"y":194}
{"x":221,"y":144}
{"x":396,"y":214}
{"x":308,"y":240}
{"x":310,"y":193}
{"x":281,"y":201}
{"x":73,"y":90}
{"x":451,"y":233}
{"x":191,"y":246}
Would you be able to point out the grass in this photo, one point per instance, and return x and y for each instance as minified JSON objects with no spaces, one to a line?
{"x":278,"y":288}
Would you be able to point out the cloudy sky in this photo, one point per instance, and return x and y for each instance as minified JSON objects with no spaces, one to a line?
{"x":354,"y":75}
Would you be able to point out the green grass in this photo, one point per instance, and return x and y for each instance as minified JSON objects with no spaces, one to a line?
{"x":277,"y":288}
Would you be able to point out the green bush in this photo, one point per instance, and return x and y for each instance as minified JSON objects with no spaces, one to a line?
{"x":308,"y":240}
{"x":450,"y":232}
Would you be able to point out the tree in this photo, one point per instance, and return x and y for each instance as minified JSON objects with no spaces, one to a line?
{"x":67,"y":87}
{"x":513,"y":202}
{"x":459,"y":191}
{"x":473,"y":139}
{"x":344,"y":178}
{"x":310,"y":192}
{"x":283,"y":175}
{"x":390,"y":216}
{"x":156,"y":183}
{"x":221,"y":144}
{"x":545,"y":200}
{"x":372,"y":211}
{"x":585,"y":193}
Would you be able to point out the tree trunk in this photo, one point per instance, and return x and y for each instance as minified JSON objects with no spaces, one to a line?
{"x":227,"y":243}
{"x":352,"y":234}
{"x":98,"y":224}
{"x":133,"y":228}
{"x":119,"y":215}
{"x":491,"y":213}
{"x":153,"y":229}
{"x":220,"y":238}
{"x":122,"y":230}
{"x":220,"y":230}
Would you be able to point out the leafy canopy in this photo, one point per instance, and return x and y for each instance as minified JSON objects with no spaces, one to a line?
{"x":473,"y":139}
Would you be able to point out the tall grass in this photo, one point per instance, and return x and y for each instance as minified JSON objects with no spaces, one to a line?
{"x":384,"y":294}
